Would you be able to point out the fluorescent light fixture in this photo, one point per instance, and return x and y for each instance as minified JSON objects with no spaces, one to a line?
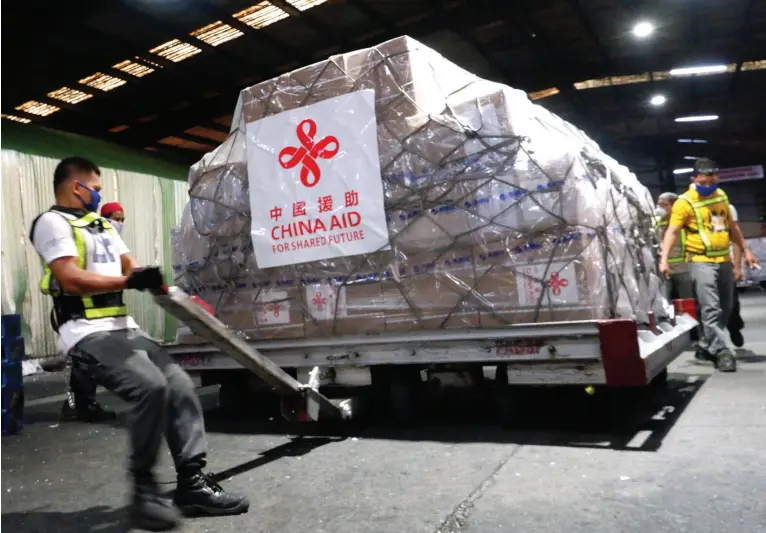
{"x":697,"y":118}
{"x":683,"y":170}
{"x":658,"y":100}
{"x":695,"y":141}
{"x":691,"y":157}
{"x":699,"y":71}
{"x":643,"y":29}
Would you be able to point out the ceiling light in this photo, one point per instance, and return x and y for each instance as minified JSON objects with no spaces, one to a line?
{"x":658,"y":100}
{"x":691,"y":157}
{"x":699,"y":71}
{"x":697,"y":118}
{"x":695,"y":141}
{"x":683,"y":170}
{"x":643,"y":29}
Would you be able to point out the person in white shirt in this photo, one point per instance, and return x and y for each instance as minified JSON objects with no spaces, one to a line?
{"x":735,"y":325}
{"x":87,"y":268}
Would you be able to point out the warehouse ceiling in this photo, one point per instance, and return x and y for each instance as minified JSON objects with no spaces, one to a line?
{"x":163,"y":75}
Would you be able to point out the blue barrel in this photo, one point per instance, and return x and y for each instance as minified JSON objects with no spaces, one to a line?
{"x":12,"y":398}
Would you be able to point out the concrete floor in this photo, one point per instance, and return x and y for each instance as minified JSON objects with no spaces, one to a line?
{"x":693,"y":463}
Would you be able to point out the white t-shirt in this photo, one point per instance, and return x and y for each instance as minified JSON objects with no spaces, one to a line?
{"x":53,"y":238}
{"x":734,"y":218}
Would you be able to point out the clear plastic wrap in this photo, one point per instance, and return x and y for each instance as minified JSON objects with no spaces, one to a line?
{"x":498,"y":211}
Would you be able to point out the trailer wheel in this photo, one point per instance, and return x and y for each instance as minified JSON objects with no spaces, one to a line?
{"x":660,"y":381}
{"x":232,"y":397}
{"x":403,"y":388}
{"x":504,"y":404}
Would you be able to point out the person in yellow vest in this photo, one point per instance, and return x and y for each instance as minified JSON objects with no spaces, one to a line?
{"x":703,"y":214}
{"x":679,"y":282}
{"x":87,"y":267}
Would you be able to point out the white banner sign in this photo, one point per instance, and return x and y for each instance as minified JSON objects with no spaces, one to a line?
{"x":754,"y":172}
{"x":315,"y":186}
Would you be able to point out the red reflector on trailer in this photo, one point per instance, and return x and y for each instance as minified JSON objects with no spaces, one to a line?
{"x":686,"y":306}
{"x":620,"y":353}
{"x":203,"y":304}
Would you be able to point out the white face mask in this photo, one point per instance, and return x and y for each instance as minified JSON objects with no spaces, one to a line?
{"x":118,"y":226}
{"x":660,"y":212}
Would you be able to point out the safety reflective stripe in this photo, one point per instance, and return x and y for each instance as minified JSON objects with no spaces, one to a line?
{"x":82,"y":251}
{"x":90,"y":309}
{"x":701,"y":228}
{"x":103,"y":312}
{"x":682,"y":253}
{"x":681,"y":257}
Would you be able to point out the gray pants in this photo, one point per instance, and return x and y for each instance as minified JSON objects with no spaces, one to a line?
{"x":139,"y":371}
{"x":714,"y":288}
{"x":679,"y":285}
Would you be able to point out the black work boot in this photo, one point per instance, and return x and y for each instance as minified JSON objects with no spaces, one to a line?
{"x":736,"y":338}
{"x":199,"y":494}
{"x":725,"y":362}
{"x":150,"y":511}
{"x":91,"y":411}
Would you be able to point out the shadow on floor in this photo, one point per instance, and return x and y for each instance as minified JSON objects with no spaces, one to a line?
{"x":748,"y":356}
{"x":549,"y":417}
{"x":98,"y":519}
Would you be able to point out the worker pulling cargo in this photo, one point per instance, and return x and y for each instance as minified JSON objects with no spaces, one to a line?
{"x":679,"y":283}
{"x":703,"y":214}
{"x":81,"y":403}
{"x":87,"y":268}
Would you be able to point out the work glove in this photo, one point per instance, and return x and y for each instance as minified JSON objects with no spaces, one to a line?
{"x":144,"y":279}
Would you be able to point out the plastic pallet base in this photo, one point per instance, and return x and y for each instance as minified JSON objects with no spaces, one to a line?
{"x":14,"y":350}
{"x":12,"y":416}
{"x":12,"y":376}
{"x":11,"y":326}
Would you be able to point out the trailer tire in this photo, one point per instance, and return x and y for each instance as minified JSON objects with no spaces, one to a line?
{"x":505,"y":404}
{"x":232,"y":396}
{"x":404,"y":386}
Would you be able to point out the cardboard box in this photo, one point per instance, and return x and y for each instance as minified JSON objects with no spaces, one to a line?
{"x":550,"y":280}
{"x":431,"y":291}
{"x":343,"y":309}
{"x":266,"y":313}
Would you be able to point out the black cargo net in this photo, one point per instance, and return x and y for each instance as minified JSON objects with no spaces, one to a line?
{"x":487,"y":228}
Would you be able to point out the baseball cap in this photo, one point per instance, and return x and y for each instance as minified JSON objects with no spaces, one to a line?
{"x":706,"y":166}
{"x":110,"y":208}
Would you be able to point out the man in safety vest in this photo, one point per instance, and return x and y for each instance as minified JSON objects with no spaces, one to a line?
{"x":703,"y":214}
{"x":679,"y":283}
{"x":87,"y":268}
{"x":81,"y":403}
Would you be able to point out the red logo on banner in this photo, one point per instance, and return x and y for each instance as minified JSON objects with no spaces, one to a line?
{"x":308,"y":152}
{"x":556,"y":283}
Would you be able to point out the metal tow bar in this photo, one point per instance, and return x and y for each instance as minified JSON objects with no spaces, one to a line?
{"x":299,"y":402}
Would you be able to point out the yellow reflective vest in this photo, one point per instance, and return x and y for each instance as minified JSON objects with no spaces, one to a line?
{"x":69,"y":307}
{"x":707,"y":224}
{"x":678,"y":253}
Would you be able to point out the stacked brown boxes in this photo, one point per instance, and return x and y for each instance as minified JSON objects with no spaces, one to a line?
{"x":498,"y":211}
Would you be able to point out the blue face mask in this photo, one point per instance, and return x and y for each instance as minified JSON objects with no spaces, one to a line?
{"x":95,"y":199}
{"x":706,"y":191}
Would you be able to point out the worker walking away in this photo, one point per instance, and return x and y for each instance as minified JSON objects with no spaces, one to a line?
{"x":81,"y":403}
{"x":703,"y":213}
{"x":87,"y":268}
{"x":735,"y":325}
{"x":679,"y":282}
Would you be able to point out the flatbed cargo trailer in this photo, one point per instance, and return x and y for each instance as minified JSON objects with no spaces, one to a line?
{"x":610,"y":353}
